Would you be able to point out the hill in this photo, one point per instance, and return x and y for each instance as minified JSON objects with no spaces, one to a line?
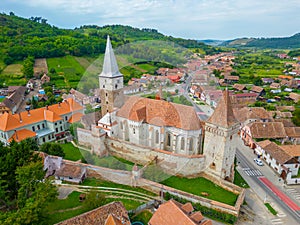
{"x":22,"y":37}
{"x":264,"y":43}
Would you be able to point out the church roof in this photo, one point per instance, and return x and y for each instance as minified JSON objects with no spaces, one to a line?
{"x":223,"y":115}
{"x":110,"y":66}
{"x":160,"y":113}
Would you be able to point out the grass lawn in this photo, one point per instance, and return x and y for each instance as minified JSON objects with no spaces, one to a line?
{"x":239,"y":180}
{"x":143,"y":217}
{"x":62,"y":209}
{"x":271,"y":209}
{"x":12,"y":75}
{"x":197,"y":185}
{"x":71,"y":152}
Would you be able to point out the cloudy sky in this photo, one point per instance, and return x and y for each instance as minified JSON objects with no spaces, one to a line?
{"x":197,"y":19}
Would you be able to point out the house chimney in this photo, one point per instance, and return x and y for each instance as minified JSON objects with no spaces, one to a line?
{"x":59,"y":105}
{"x":28,"y":113}
{"x":46,"y":107}
{"x":20,"y":118}
{"x":16,"y":135}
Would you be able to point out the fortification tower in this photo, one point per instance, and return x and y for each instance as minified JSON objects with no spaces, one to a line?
{"x":221,"y":139}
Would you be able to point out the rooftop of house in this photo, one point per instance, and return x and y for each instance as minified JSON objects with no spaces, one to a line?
{"x":257,"y":89}
{"x":160,"y":113}
{"x":21,"y":135}
{"x":275,"y":151}
{"x":292,"y":150}
{"x":100,"y":216}
{"x":69,"y":170}
{"x":51,"y":113}
{"x":239,"y":87}
{"x":172,"y":212}
{"x":267,"y":130}
{"x":246,"y":113}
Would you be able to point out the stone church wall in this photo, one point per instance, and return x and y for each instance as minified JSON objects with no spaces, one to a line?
{"x":173,"y":163}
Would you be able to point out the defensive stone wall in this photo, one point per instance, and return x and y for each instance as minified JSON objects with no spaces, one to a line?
{"x":184,"y":165}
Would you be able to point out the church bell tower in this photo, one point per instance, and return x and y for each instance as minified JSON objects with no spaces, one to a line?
{"x":110,"y":80}
{"x":221,"y":140}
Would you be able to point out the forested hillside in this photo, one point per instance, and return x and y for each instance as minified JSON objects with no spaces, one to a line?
{"x":263,"y":43}
{"x":22,"y":37}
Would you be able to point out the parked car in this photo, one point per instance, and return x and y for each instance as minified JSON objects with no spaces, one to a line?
{"x":258,"y":162}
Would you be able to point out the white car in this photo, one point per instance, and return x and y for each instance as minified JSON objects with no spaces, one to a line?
{"x":258,"y":162}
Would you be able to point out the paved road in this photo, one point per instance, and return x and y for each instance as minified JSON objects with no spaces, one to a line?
{"x":253,"y":175}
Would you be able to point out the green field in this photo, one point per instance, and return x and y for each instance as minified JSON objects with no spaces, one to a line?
{"x":12,"y":75}
{"x":62,"y":209}
{"x":198,"y":185}
{"x":68,"y":71}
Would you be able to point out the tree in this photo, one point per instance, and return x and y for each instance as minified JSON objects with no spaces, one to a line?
{"x":27,"y":68}
{"x":94,"y":200}
{"x":52,"y":149}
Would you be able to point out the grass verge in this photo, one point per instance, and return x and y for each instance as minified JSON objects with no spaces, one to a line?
{"x":271,"y":209}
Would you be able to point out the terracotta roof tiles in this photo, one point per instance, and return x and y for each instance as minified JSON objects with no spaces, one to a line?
{"x":171,"y":212}
{"x":21,"y":135}
{"x":160,"y":113}
{"x":223,"y":115}
{"x":99,"y":215}
{"x":52,"y":114}
{"x":267,"y":130}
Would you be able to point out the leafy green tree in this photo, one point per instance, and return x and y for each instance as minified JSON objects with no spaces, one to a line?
{"x":93,"y":200}
{"x":27,"y":68}
{"x":52,"y":149}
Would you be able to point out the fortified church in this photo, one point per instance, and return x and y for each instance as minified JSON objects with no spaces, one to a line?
{"x":141,"y":129}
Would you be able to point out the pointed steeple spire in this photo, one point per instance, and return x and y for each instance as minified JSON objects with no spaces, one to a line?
{"x":110,"y":66}
{"x":223,"y":115}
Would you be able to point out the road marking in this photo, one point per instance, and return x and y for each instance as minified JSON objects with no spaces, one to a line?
{"x":281,"y":215}
{"x":252,"y":172}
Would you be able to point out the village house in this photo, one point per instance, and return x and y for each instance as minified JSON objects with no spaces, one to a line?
{"x":11,"y":103}
{"x":275,"y":85}
{"x":63,"y":170}
{"x":262,"y":130}
{"x":239,"y":87}
{"x":133,"y":89}
{"x":113,"y":213}
{"x":30,"y":84}
{"x":294,"y":97}
{"x":267,"y":80}
{"x":45,"y":79}
{"x":259,"y":90}
{"x":247,"y":115}
{"x":45,"y":124}
{"x":173,"y":212}
{"x":283,"y":159}
{"x":243,"y":99}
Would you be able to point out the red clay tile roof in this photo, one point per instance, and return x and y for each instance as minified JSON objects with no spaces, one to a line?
{"x":75,"y":117}
{"x":53,"y":114}
{"x":239,"y":87}
{"x":256,"y":89}
{"x":99,"y":215}
{"x":267,"y":130}
{"x":171,"y":213}
{"x":293,"y":132}
{"x":275,"y":151}
{"x":21,"y":135}
{"x":160,"y":113}
{"x":223,"y":115}
{"x":112,"y":220}
{"x":246,"y":113}
{"x":292,"y":150}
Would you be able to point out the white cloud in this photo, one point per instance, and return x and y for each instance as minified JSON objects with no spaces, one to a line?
{"x":177,"y":17}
